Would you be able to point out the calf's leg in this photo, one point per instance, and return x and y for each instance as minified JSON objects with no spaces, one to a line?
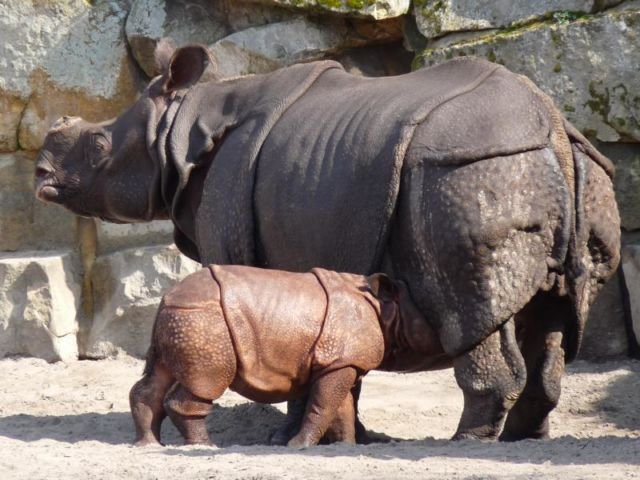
{"x":491,"y":376}
{"x":188,"y":413}
{"x":328,"y":394}
{"x":146,"y":400}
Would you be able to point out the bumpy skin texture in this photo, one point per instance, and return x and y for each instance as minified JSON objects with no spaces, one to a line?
{"x":462,"y":180}
{"x":272,"y":336}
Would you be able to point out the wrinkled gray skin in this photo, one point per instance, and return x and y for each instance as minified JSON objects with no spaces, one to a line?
{"x":462,"y":180}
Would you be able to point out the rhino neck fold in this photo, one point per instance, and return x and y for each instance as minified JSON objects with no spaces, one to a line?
{"x":411,"y":344}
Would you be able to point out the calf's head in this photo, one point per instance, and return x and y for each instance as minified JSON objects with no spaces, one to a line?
{"x":109,"y":169}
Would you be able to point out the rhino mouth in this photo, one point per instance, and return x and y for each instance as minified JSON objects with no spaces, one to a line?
{"x":47,"y":187}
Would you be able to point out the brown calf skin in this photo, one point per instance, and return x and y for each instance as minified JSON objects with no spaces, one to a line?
{"x":273,"y":336}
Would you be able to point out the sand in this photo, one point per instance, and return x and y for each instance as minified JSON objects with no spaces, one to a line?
{"x":68,"y":421}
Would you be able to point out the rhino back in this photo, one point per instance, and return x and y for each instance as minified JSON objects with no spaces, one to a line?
{"x":329,"y":171}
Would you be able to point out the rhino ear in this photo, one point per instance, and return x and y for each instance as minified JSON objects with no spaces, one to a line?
{"x":186,"y":67}
{"x":383,"y":287}
{"x":165,"y":48}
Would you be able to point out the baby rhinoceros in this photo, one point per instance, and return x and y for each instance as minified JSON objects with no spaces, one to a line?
{"x":273,"y":336}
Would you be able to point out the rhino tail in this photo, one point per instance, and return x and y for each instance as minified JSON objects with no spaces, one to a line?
{"x":593,"y":251}
{"x":151,"y":358}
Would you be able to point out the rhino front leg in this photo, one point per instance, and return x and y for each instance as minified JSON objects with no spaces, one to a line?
{"x":295,"y":414}
{"x":491,"y":375}
{"x":541,"y":332}
{"x":329,"y":394}
{"x":188,"y":413}
{"x":343,"y":428}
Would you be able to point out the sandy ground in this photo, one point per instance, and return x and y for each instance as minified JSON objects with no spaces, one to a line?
{"x":62,"y":421}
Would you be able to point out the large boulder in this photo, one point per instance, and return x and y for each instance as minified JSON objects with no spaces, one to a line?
{"x":440,"y":17}
{"x":626,"y":157}
{"x":268,"y":47}
{"x":373,"y":9}
{"x":113,"y":236}
{"x":26,"y":223}
{"x":39,"y":304}
{"x":631,"y":269}
{"x":127,"y":288}
{"x":589,"y":66}
{"x":64,"y":57}
{"x":605,"y":334}
{"x":196,"y":21}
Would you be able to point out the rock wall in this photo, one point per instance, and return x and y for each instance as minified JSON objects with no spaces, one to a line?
{"x":79,"y":287}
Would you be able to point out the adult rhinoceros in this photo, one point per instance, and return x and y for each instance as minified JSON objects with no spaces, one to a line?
{"x":463,"y":180}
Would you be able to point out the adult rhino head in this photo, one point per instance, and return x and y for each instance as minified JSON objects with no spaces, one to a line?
{"x":109,"y":169}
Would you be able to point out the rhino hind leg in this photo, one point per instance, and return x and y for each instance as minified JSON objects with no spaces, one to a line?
{"x":492,"y":376}
{"x":146,"y":400}
{"x":330,"y":395}
{"x":188,"y":413}
{"x":540,"y":332}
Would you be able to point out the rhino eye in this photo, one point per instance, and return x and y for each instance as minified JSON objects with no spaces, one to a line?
{"x":99,"y":148}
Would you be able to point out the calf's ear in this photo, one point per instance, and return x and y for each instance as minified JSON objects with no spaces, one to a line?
{"x":186,"y":67}
{"x":383,"y":287}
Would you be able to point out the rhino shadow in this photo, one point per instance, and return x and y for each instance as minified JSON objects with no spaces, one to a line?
{"x":245,"y":424}
{"x":621,"y":406}
{"x":566,"y":450}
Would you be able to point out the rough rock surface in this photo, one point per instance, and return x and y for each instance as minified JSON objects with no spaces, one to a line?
{"x":437,"y":18}
{"x":631,"y":269}
{"x":265,"y":48}
{"x":184,"y":21}
{"x":605,"y":334}
{"x":375,"y":9}
{"x":61,"y":57}
{"x":112,"y":237}
{"x":627,"y":181}
{"x":39,"y":300}
{"x":26,"y":223}
{"x":583,"y":65}
{"x":127,"y":287}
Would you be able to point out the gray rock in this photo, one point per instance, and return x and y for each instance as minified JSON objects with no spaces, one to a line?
{"x":588,"y":66}
{"x":438,"y":18}
{"x":39,"y":302}
{"x":605,"y":334}
{"x":61,"y":58}
{"x":374,"y":9}
{"x":631,"y":269}
{"x":11,"y":109}
{"x":240,"y":15}
{"x":184,"y":21}
{"x":268,"y":47}
{"x":112,"y":236}
{"x":128,"y":286}
{"x":26,"y":223}
{"x":626,"y":157}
